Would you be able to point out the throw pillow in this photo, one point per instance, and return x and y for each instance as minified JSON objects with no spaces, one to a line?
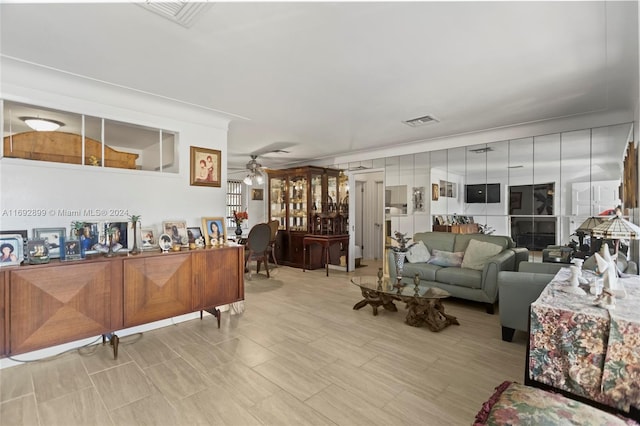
{"x":478,"y":252}
{"x":446,"y":258}
{"x":418,"y":253}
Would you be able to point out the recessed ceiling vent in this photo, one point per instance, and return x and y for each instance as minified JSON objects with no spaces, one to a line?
{"x":181,"y":12}
{"x":421,"y":121}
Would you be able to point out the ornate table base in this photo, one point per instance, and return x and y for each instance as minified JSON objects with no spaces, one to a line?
{"x":421,"y":310}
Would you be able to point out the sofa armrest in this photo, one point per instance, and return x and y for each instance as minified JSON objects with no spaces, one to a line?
{"x":518,"y":290}
{"x":503,"y":261}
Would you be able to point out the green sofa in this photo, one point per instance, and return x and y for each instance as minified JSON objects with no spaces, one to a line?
{"x":479,"y":285}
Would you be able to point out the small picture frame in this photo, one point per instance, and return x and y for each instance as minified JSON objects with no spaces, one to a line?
{"x":193,"y":233}
{"x":435,"y":192}
{"x":177,"y":230}
{"x":205,"y":167}
{"x":213,"y":229}
{"x":71,"y":250}
{"x":11,"y":250}
{"x":37,"y":252}
{"x":165,"y":242}
{"x":53,"y":238}
{"x":119,"y":238}
{"x":23,"y":233}
{"x":149,"y":240}
{"x":257,"y":194}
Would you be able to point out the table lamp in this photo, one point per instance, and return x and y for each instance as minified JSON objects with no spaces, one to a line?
{"x":586,"y":227}
{"x":615,"y":229}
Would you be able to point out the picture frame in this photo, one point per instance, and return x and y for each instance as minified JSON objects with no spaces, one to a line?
{"x":11,"y":250}
{"x":71,"y":250}
{"x":435,"y":192}
{"x":149,"y":239}
{"x":53,"y":238}
{"x":177,"y":230}
{"x":119,"y":239}
{"x":211,"y":234}
{"x":193,"y":233}
{"x":257,"y":194}
{"x":37,"y":252}
{"x":205,"y":167}
{"x":23,"y":233}
{"x":91,"y":232}
{"x":165,"y":242}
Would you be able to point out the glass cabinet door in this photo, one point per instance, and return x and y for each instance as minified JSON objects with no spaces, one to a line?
{"x":298,"y":203}
{"x":316,"y":193}
{"x":277,"y":204}
{"x":332,"y":193}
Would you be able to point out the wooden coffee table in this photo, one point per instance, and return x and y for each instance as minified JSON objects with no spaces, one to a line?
{"x":424,"y":304}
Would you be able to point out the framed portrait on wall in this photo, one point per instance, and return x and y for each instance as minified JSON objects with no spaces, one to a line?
{"x":205,"y":167}
{"x":213,"y":228}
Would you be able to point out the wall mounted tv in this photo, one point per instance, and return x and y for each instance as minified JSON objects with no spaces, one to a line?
{"x":482,"y":193}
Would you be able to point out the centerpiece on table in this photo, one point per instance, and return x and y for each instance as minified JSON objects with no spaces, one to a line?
{"x":400,"y":252}
{"x":239,"y":217}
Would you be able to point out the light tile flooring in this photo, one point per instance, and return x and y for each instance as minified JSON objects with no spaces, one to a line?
{"x":298,"y":355}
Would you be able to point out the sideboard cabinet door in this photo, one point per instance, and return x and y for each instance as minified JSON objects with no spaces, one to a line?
{"x":156,"y":288}
{"x":220,"y":276}
{"x":54,"y":305}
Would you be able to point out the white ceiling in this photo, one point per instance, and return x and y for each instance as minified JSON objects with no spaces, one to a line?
{"x":327,"y":79}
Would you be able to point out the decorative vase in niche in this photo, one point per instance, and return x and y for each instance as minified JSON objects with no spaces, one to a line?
{"x":399,"y":257}
{"x":135,"y":249}
{"x":238,"y":229}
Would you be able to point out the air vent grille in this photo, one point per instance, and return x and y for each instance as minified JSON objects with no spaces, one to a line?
{"x":181,"y":12}
{"x":421,"y":121}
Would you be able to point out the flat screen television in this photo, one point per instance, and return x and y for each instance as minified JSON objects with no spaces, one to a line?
{"x":482,"y":193}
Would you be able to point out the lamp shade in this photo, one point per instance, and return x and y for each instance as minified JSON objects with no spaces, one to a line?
{"x":617,"y":228}
{"x":588,"y":225}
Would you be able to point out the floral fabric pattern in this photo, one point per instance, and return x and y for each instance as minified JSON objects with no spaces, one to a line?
{"x":518,"y":405}
{"x":586,"y":349}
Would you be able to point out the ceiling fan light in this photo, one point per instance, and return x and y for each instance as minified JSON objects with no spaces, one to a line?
{"x":248,"y":180}
{"x":42,"y":124}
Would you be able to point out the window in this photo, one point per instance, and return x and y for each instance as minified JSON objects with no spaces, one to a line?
{"x":87,"y":140}
{"x":234,"y":200}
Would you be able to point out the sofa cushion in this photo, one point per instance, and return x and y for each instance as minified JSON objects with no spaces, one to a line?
{"x":446,"y":258}
{"x":461,"y":277}
{"x":462,"y":240}
{"x":418,"y":253}
{"x":425,"y":271}
{"x":477,"y":253}
{"x":436,"y":240}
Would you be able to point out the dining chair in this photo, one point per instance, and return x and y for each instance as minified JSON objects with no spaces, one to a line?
{"x":257,"y":247}
{"x":273,"y":225}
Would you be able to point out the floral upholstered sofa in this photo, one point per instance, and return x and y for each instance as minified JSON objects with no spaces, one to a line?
{"x":465,"y":265}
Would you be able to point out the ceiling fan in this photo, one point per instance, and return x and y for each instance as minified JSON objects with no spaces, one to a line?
{"x":256,"y":175}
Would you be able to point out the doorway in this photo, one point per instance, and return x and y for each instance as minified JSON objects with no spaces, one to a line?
{"x":368,"y":212}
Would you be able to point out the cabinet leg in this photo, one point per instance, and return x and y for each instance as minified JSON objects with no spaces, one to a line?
{"x":114,"y":342}
{"x":213,"y":311}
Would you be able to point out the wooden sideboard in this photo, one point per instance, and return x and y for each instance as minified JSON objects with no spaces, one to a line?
{"x":60,"y":302}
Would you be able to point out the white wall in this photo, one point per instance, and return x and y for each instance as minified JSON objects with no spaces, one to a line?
{"x":54,"y":188}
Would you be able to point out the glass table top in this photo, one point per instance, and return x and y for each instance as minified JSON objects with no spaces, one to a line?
{"x":387,"y":286}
